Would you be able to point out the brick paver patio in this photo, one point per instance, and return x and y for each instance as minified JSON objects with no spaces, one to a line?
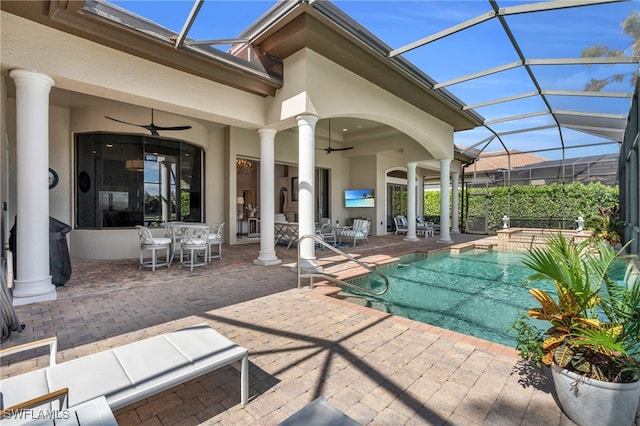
{"x":377,"y":368}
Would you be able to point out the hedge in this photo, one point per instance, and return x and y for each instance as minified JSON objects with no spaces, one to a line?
{"x":540,"y":202}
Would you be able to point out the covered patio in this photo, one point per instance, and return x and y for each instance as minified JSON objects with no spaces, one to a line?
{"x":375,"y":367}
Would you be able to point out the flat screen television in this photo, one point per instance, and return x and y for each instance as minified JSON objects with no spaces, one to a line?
{"x":359,"y":198}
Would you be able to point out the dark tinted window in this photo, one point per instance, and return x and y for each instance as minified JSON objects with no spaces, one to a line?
{"x":128,"y":180}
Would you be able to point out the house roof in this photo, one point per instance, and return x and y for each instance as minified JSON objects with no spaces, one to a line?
{"x":498,"y":160}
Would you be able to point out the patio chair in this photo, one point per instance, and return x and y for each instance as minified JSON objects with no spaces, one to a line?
{"x":215,"y":238}
{"x":285,"y":232}
{"x":195,"y":245}
{"x":359,"y":231}
{"x":150,"y":243}
{"x":174,"y":230}
{"x":424,"y":228}
{"x":401,"y":224}
{"x":327,"y":233}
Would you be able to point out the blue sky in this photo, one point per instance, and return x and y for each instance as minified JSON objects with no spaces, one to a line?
{"x":551,"y":34}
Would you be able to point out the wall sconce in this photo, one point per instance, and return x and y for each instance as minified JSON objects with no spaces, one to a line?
{"x":244,"y":166}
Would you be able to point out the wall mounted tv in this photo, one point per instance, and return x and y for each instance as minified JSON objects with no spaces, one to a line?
{"x":359,"y":198}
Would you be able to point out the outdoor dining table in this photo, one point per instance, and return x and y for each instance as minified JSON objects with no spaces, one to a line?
{"x":175,"y":231}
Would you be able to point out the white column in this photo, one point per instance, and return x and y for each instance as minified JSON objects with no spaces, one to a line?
{"x":411,"y":202}
{"x":445,"y":166}
{"x":267,"y":255}
{"x":455,"y":226}
{"x":420,"y":195}
{"x":306,"y":166}
{"x":33,"y":283}
{"x":165,"y":189}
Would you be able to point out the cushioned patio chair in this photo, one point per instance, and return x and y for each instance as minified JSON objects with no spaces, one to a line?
{"x":424,"y":228}
{"x":194,"y":246}
{"x":401,"y":224}
{"x":153,"y":244}
{"x":358,"y":231}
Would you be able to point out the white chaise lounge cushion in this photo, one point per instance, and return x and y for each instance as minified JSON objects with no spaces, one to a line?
{"x":134,"y":371}
{"x":22,"y":388}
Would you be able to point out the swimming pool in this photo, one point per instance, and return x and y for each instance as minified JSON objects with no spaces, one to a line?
{"x":478,"y":292}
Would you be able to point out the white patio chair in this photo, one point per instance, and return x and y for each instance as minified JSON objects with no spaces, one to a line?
{"x":174,"y":230}
{"x":424,"y":228}
{"x":150,"y":243}
{"x":194,"y":247}
{"x":285,"y":232}
{"x":359,"y":231}
{"x":327,"y":233}
{"x":215,"y":238}
{"x":401,"y":224}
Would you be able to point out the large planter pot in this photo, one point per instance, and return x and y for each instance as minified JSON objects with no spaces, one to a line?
{"x":591,"y":402}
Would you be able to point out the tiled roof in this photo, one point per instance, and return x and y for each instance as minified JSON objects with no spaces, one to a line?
{"x":496,"y":160}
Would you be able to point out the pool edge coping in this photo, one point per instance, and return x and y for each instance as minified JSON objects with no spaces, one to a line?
{"x":326,"y":291}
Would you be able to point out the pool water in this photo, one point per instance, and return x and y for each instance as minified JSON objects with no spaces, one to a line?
{"x":478,"y":292}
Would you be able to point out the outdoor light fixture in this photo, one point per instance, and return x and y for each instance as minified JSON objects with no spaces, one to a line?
{"x":244,"y":166}
{"x":134,"y":165}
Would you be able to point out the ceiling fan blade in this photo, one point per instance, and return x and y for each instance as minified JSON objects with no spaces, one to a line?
{"x":152,"y":128}
{"x":329,"y":150}
{"x":172,"y":128}
{"x":124,"y":122}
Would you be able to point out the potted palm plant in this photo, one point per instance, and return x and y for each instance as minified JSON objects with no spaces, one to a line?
{"x":593,"y":341}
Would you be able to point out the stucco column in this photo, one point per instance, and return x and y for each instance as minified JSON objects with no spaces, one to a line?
{"x":306,"y":166}
{"x":455,"y":226}
{"x":445,"y":166}
{"x":420,"y":195}
{"x":411,"y":202}
{"x":33,"y":281}
{"x":267,"y":255}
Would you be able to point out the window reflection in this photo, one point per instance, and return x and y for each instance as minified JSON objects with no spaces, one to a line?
{"x":129,"y":180}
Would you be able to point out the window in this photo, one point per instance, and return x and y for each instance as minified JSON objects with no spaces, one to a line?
{"x":128,"y":180}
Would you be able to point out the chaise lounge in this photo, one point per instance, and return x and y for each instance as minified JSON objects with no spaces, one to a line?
{"x":128,"y":373}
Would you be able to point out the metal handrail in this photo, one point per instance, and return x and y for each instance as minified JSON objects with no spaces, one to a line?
{"x":311,"y":275}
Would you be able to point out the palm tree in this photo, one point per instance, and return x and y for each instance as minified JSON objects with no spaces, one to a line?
{"x":631,"y":27}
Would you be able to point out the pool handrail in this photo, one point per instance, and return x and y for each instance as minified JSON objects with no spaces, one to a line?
{"x":311,"y":275}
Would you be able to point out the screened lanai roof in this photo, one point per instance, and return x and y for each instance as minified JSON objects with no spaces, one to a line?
{"x":554,"y":77}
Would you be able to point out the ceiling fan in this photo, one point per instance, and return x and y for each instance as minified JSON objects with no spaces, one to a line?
{"x":151,"y":127}
{"x":329,"y":150}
